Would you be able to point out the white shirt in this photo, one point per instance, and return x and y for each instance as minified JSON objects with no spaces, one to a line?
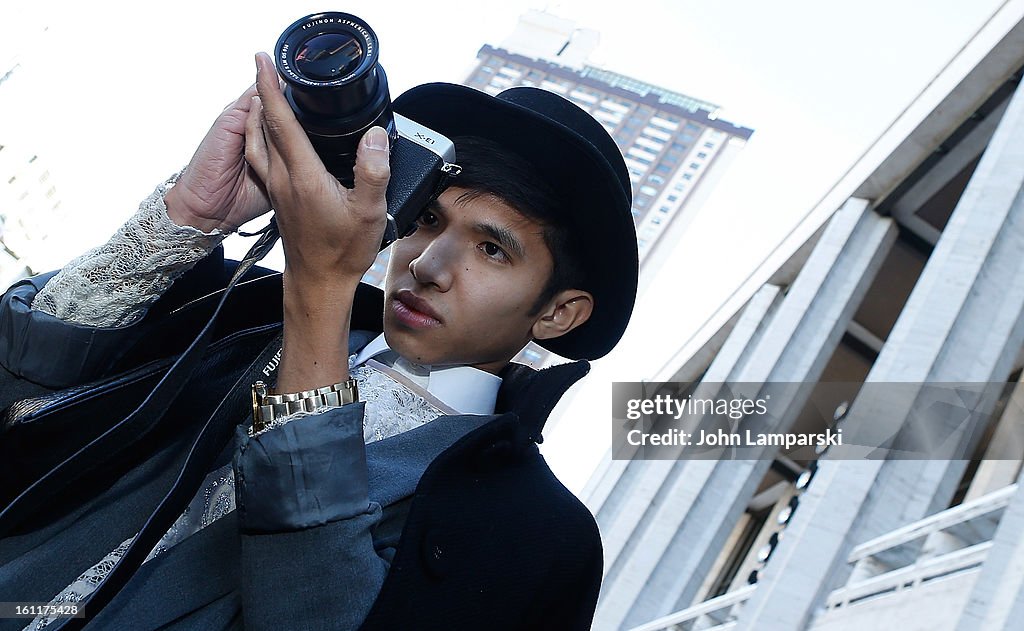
{"x":464,"y":388}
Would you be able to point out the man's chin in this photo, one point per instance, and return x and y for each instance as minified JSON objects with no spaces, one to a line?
{"x":412,"y":344}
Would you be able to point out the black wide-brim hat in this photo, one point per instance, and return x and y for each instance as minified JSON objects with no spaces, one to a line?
{"x":582,"y":164}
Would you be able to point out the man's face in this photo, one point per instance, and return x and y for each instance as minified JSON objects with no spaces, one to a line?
{"x":460,"y":289}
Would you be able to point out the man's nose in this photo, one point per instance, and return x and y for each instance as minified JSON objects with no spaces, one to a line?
{"x":433,"y":265}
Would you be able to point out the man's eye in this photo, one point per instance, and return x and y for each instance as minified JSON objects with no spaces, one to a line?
{"x":492,"y":250}
{"x":427,"y":219}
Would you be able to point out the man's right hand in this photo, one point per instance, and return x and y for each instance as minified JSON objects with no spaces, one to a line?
{"x":218,"y":189}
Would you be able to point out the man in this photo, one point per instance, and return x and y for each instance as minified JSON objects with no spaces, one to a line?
{"x":424,"y":503}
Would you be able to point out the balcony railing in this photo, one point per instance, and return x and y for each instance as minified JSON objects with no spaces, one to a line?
{"x":718,"y":614}
{"x":948,"y":545}
{"x":943,"y":545}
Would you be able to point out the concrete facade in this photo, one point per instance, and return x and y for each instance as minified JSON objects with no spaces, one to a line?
{"x":915,"y":276}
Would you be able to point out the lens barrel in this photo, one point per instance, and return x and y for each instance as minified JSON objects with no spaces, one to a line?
{"x":334,"y":85}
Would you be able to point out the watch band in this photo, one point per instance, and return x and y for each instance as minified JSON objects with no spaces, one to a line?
{"x":268,"y":407}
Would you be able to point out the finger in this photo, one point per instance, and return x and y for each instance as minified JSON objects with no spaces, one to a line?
{"x":284,"y":134}
{"x":372,"y":170}
{"x":243,"y":102}
{"x":255,"y":142}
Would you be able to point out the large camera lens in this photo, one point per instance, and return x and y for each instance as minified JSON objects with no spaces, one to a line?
{"x":329,"y":56}
{"x":335,"y":85}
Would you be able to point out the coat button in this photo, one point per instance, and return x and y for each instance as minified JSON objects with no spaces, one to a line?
{"x":435,"y":555}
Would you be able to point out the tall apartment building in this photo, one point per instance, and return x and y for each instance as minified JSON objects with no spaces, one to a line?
{"x":670,"y":141}
{"x":673,"y":144}
{"x":907,"y":277}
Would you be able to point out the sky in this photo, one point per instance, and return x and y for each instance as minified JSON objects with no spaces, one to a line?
{"x":117,"y":97}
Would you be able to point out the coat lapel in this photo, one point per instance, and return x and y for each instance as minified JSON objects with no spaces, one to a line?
{"x":396,"y":463}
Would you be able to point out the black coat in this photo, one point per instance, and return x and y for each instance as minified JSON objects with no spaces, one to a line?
{"x":491,"y":540}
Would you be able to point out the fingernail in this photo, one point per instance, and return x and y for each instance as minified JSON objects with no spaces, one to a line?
{"x":376,"y":139}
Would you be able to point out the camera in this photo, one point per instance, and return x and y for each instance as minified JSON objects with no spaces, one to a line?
{"x":338,"y":90}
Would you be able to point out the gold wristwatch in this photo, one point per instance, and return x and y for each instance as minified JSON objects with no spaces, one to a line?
{"x":267,"y":407}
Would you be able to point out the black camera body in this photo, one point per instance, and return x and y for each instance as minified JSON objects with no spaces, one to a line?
{"x":338,"y":91}
{"x":422,"y":166}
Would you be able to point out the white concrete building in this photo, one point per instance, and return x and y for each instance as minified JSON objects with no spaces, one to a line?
{"x":910,"y":270}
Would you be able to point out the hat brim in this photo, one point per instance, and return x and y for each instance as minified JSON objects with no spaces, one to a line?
{"x":592,"y":196}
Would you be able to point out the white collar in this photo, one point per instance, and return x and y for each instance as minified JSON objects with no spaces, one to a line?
{"x":464,"y":388}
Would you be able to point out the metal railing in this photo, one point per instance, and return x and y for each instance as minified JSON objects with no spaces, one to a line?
{"x":950,"y":542}
{"x":716,"y":613}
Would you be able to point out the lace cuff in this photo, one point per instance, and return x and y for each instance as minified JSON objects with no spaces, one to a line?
{"x":113,"y":285}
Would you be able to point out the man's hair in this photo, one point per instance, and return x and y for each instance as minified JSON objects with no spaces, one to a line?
{"x":489,"y":169}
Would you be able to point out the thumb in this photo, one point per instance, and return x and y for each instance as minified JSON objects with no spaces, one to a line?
{"x":373,"y":168}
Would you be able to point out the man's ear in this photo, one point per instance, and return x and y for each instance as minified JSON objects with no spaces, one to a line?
{"x":563,"y":313}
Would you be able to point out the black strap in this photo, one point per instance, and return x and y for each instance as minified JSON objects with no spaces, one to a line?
{"x":207,"y":446}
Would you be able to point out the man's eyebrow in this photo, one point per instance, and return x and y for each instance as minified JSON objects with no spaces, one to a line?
{"x":504,"y":237}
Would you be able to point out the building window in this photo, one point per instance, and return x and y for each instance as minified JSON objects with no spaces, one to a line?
{"x":662,"y":168}
{"x":673,"y":198}
{"x":687,"y":176}
{"x":694,"y":165}
{"x":656,"y":133}
{"x":656,"y":179}
{"x":709,"y":145}
{"x":702,"y":155}
{"x":664,"y":123}
{"x":611,"y":105}
{"x":664,"y":209}
{"x":649,"y":144}
{"x":640,"y":155}
{"x":582,"y":95}
{"x":32,"y":159}
{"x":554,"y":86}
{"x":656,"y":220}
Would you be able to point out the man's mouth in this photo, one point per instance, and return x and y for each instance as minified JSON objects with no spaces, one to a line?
{"x":414,"y":311}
